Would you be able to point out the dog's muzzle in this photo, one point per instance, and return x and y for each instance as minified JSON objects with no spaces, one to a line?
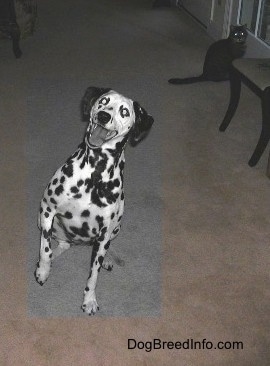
{"x":99,"y":134}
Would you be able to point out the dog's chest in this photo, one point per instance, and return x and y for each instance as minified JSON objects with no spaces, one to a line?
{"x":86,"y":190}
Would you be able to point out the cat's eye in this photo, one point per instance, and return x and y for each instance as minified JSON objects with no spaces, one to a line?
{"x":104,"y":100}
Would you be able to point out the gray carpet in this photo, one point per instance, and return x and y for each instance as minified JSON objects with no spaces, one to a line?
{"x":200,"y":213}
{"x":54,"y":131}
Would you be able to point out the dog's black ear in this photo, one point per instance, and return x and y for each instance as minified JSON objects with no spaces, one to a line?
{"x":90,"y":97}
{"x":142,"y":126}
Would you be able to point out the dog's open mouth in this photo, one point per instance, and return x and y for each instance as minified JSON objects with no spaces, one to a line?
{"x":99,"y":135}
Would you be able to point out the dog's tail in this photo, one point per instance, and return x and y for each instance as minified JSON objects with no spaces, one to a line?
{"x":191,"y":80}
{"x":120,"y":262}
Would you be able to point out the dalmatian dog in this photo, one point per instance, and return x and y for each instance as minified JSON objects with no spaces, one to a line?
{"x":84,"y":201}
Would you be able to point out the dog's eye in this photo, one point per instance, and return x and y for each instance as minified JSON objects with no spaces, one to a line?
{"x":104,"y":101}
{"x":124,"y":112}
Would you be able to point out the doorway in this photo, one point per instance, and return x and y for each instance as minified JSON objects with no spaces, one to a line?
{"x":220,"y":18}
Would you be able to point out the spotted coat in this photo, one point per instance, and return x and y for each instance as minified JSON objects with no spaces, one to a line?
{"x":84,"y":201}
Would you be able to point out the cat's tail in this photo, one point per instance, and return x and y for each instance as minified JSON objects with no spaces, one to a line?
{"x":191,"y":80}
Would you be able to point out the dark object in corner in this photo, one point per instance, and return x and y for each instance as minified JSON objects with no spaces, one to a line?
{"x":9,"y":26}
{"x":159,"y":3}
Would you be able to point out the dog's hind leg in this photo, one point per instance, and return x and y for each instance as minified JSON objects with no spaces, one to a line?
{"x":112,"y":257}
{"x":61,"y":248}
{"x":107,"y":264}
{"x":60,"y":235}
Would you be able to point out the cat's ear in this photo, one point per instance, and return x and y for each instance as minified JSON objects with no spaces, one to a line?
{"x":245,"y":26}
{"x":232,"y":27}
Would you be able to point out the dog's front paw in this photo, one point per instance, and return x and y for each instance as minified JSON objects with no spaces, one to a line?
{"x":90,"y":305}
{"x":42,"y":272}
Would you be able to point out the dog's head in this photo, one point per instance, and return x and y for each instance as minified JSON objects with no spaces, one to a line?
{"x":112,"y":117}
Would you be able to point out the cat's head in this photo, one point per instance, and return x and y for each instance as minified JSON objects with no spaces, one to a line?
{"x":238,"y":33}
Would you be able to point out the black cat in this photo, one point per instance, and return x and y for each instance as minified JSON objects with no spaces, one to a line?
{"x":219,"y":57}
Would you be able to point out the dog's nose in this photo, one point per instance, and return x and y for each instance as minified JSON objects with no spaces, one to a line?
{"x":103,"y":117}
